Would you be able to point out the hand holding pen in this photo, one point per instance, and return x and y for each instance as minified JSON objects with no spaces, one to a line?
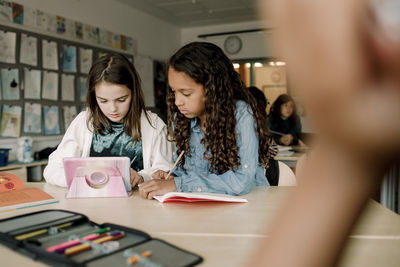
{"x":160,"y":174}
{"x":160,"y":184}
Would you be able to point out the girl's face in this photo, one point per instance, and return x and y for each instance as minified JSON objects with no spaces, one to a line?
{"x":114,"y":100}
{"x":287,"y":110}
{"x":189,"y":95}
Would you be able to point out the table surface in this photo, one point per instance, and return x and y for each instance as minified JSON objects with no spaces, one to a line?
{"x":224,"y":234}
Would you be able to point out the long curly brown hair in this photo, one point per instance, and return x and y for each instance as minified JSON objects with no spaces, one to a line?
{"x":207,"y":65}
{"x":115,"y":69}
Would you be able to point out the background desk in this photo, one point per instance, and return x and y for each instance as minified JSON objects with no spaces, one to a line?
{"x":225,"y":234}
{"x":291,"y":160}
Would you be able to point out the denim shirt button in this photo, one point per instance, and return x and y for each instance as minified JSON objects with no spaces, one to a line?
{"x":198,"y":189}
{"x":245,"y":166}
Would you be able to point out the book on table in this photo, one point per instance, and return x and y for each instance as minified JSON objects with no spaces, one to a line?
{"x":14,"y":195}
{"x":285,"y":151}
{"x":198,"y":197}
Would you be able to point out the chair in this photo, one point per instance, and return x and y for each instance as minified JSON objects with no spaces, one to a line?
{"x":300,"y":164}
{"x":286,"y":175}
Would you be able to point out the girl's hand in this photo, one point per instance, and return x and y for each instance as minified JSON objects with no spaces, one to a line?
{"x":135,"y":178}
{"x":160,"y":174}
{"x":286,"y":139}
{"x":156,"y":187}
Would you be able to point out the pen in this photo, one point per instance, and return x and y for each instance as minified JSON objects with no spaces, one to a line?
{"x":176,"y":163}
{"x":39,"y":232}
{"x":100,"y":231}
{"x":278,"y":133}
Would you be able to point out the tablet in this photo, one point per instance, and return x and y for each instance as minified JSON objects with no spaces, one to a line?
{"x":97,"y":169}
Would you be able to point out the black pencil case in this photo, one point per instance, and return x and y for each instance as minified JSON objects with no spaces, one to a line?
{"x":33,"y":234}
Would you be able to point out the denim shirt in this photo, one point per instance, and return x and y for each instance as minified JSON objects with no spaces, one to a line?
{"x":197,"y":178}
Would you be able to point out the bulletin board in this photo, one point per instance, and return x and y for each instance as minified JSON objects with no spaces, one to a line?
{"x":42,"y":81}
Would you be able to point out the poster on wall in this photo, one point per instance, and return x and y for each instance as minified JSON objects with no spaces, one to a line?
{"x":30,"y":16}
{"x":49,"y":55}
{"x":85,"y":59}
{"x":10,"y":84}
{"x":67,"y":87}
{"x":32,"y":118}
{"x":69,"y":58}
{"x":69,"y":113}
{"x":61,"y":25}
{"x":117,"y":41}
{"x":51,"y":122}
{"x":28,"y":52}
{"x":46,"y":21}
{"x":11,"y":121}
{"x":50,"y":85}
{"x":7,"y":46}
{"x":32,"y":79}
{"x":17,"y":13}
{"x":70,"y":28}
{"x":5,"y":11}
{"x":90,"y":34}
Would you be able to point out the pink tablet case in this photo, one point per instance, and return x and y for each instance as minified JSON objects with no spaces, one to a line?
{"x":97,"y":177}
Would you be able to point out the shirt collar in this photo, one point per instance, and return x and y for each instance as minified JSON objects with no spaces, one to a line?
{"x":194,"y":125}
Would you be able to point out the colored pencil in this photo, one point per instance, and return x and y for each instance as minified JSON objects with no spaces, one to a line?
{"x":83,"y":247}
{"x":40,"y":232}
{"x":176,"y":163}
{"x":99,"y":231}
{"x":59,"y":248}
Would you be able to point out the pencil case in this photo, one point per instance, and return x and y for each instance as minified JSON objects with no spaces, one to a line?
{"x":65,"y":238}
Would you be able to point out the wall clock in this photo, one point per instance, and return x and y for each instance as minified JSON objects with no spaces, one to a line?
{"x":233,"y":44}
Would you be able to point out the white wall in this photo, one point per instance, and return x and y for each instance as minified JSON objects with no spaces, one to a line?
{"x":254,"y":44}
{"x":155,"y":38}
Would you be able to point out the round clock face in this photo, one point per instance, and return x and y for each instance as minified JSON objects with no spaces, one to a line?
{"x":232,"y":44}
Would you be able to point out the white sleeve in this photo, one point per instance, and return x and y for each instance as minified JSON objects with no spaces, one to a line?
{"x":160,"y":149}
{"x":70,"y":146}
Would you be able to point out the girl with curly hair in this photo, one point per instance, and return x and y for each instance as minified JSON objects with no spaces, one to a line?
{"x":214,"y":119}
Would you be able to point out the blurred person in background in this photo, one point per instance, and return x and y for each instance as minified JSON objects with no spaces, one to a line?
{"x":344,"y":57}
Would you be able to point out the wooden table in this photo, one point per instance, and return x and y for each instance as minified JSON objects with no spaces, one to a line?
{"x":224,"y":234}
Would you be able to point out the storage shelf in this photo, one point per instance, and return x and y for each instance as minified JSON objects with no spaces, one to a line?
{"x":28,"y":172}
